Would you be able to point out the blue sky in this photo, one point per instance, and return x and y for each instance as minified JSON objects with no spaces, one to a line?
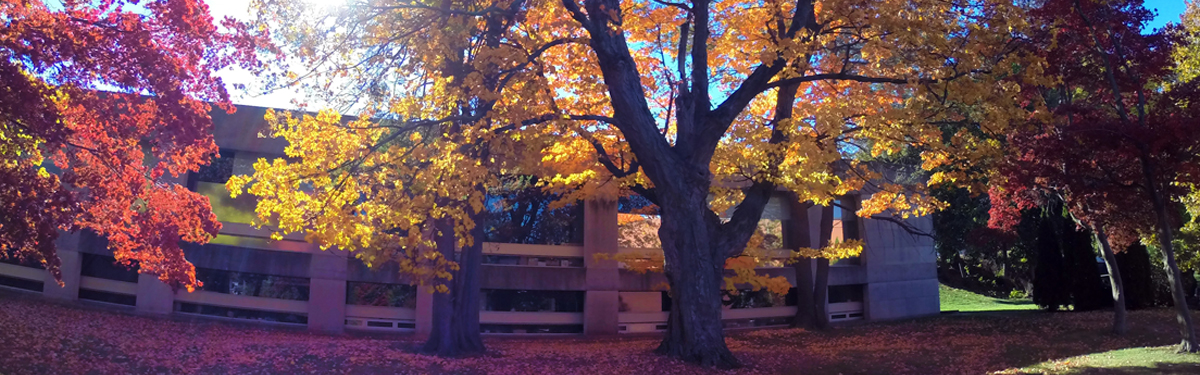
{"x":1168,"y":11}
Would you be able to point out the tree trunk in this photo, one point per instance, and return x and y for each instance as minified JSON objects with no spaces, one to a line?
{"x":1166,"y":238}
{"x":798,"y":236}
{"x":695,"y":271}
{"x":820,"y":299}
{"x":1120,"y":327}
{"x":821,"y":295}
{"x":456,"y":314}
{"x":806,"y":309}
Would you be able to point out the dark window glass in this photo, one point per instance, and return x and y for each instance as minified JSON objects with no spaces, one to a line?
{"x":105,"y":267}
{"x":529,"y":328}
{"x":751,"y":299}
{"x":373,"y":294}
{"x":759,"y":322}
{"x":502,"y":259}
{"x":24,"y":262}
{"x":253,"y":284}
{"x":532,"y":300}
{"x":636,"y":204}
{"x":219,"y":170}
{"x":845,"y":293}
{"x":517,"y":260}
{"x":522,"y":213}
{"x":102,"y":296}
{"x":666,"y":301}
{"x":236,"y":313}
{"x":20,"y":283}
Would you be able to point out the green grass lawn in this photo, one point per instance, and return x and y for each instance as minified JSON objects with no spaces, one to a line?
{"x":1145,"y":360}
{"x":961,"y":300}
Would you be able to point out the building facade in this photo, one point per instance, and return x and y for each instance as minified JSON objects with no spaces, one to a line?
{"x":528,"y":288}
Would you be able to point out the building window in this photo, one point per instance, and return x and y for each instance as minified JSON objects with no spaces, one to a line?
{"x":219,"y":169}
{"x":532,"y":300}
{"x":530,"y":328}
{"x":253,"y":284}
{"x":524,"y":214}
{"x":106,"y":267}
{"x":845,"y":226}
{"x":22,"y":261}
{"x":521,"y":260}
{"x":19,"y":283}
{"x":638,"y":231}
{"x":374,"y":294}
{"x":751,"y":299}
{"x":845,"y":293}
{"x":210,"y":181}
{"x":236,"y":313}
{"x":107,"y":297}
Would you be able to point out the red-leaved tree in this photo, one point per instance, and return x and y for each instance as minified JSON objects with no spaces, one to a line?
{"x":103,"y":105}
{"x":1117,"y":142}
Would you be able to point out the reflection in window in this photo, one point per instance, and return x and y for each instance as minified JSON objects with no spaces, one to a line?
{"x":19,"y":283}
{"x":530,"y":328}
{"x":219,"y":169}
{"x":768,"y":235}
{"x":522,"y":260}
{"x":253,"y":284}
{"x":236,"y":313}
{"x":107,"y":297}
{"x":522,"y":213}
{"x":532,"y":300}
{"x":24,"y":262}
{"x":845,"y":293}
{"x":638,"y":231}
{"x":105,"y":267}
{"x":374,"y":294}
{"x":751,"y":299}
{"x":210,"y":182}
{"x":845,"y":226}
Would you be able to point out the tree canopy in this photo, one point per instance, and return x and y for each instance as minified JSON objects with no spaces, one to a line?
{"x":700,"y":107}
{"x":102,"y":106}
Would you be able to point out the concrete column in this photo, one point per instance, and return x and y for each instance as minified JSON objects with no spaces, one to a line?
{"x":327,"y":292}
{"x":67,"y":246}
{"x":154,"y":297}
{"x":601,"y":302}
{"x":424,"y":312}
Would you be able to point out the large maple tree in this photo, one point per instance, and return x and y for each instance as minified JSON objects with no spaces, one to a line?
{"x":102,"y":106}
{"x":700,"y":107}
{"x":1121,"y":142}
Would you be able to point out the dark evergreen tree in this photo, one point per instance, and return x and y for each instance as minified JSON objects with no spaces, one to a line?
{"x":1079,"y":256}
{"x":1050,"y":287}
{"x":1136,"y":273}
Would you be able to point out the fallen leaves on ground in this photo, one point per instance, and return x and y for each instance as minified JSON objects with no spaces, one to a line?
{"x":42,"y":337}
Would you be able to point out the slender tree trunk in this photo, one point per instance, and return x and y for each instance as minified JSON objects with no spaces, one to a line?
{"x":821,"y":295}
{"x":456,"y":314}
{"x":799,"y":236}
{"x":695,"y":270}
{"x":1166,"y":238}
{"x":1120,"y":327}
{"x":821,"y":288}
{"x":806,"y":307}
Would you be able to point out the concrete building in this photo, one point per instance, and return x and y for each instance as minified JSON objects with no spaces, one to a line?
{"x":527,"y":288}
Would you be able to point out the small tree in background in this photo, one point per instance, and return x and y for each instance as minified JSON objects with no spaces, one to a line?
{"x":1116,"y":132}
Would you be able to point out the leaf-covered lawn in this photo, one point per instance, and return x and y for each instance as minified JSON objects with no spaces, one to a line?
{"x":41,"y":337}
